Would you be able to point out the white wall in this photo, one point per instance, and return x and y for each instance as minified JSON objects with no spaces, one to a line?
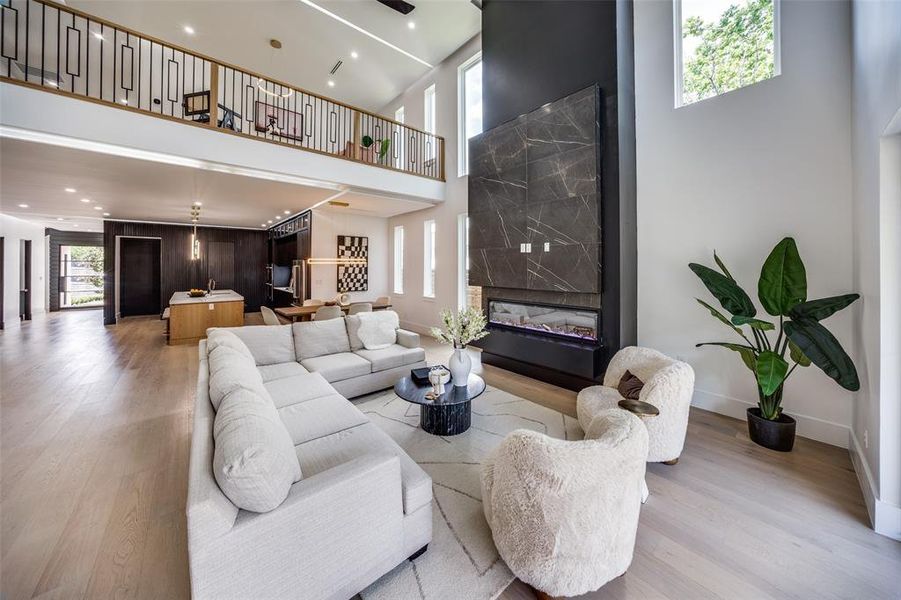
{"x":13,"y":231}
{"x":876,"y":101}
{"x":736,"y":173}
{"x":417,"y":312}
{"x":327,"y":226}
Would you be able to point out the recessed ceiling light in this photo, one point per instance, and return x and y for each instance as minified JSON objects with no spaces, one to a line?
{"x":74,"y":224}
{"x":411,"y":24}
{"x":269,"y":221}
{"x":98,"y":208}
{"x":98,"y":36}
{"x":23,"y":206}
{"x":60,"y":219}
{"x":278,"y":217}
{"x":198,"y":203}
{"x":188,"y":29}
{"x":331,"y":83}
{"x":353,"y":54}
{"x":262,"y":224}
{"x":85,"y":200}
{"x":287,"y":212}
{"x":105,"y":214}
{"x":70,"y":190}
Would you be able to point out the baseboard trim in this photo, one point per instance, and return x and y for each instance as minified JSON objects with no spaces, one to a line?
{"x":885,"y":518}
{"x":809,"y":427}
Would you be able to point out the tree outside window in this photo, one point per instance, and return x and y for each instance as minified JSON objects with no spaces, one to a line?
{"x":725,"y":45}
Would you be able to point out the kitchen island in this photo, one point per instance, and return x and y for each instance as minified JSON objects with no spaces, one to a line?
{"x":190,"y":317}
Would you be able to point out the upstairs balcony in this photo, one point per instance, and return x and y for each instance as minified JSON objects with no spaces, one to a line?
{"x":59,"y":50}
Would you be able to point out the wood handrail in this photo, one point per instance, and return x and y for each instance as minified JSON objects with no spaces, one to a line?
{"x":80,"y":13}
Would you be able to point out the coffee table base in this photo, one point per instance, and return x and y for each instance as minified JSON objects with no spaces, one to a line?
{"x":448,"y":419}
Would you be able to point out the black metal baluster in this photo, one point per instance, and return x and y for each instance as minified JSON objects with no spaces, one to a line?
{"x":43,"y":36}
{"x":101,"y":63}
{"x":27,"y":32}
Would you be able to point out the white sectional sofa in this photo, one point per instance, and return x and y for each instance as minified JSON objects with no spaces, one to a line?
{"x":335,"y":502}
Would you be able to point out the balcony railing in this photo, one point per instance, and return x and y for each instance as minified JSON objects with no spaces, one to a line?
{"x":69,"y":52}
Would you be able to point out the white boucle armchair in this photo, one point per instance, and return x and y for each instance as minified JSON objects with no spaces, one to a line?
{"x":564,"y":514}
{"x":668,"y":385}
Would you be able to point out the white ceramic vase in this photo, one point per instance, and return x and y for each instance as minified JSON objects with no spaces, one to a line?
{"x":460,"y":365}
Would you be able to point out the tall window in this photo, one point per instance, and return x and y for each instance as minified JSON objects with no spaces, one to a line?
{"x":399,"y":259}
{"x":400,"y":155}
{"x":462,"y":261}
{"x":724,"y":45}
{"x":80,"y":276}
{"x":429,"y":119}
{"x":428,"y":259}
{"x":469,"y":108}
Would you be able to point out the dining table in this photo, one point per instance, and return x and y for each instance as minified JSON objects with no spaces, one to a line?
{"x":305,"y":313}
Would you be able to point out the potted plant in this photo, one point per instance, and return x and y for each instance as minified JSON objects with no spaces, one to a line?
{"x":782,"y":290}
{"x":380,"y":149}
{"x":460,"y":329}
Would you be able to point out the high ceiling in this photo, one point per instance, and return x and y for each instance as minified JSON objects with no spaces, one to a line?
{"x":238,"y":32}
{"x":37,"y":175}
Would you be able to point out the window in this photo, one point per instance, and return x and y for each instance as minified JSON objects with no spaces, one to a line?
{"x":429,"y":117}
{"x":724,"y":45}
{"x":399,"y":259}
{"x":80,"y":276}
{"x":400,"y":155}
{"x":428,"y":259}
{"x":465,"y":296}
{"x":469,"y":108}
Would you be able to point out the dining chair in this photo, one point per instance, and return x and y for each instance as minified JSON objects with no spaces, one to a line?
{"x":325,"y":313}
{"x":383,"y":300}
{"x":358,"y":307}
{"x":269,"y":316}
{"x":313,"y":302}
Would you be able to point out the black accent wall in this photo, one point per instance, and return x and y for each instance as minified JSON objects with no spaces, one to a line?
{"x":236,"y":258}
{"x":65,"y":238}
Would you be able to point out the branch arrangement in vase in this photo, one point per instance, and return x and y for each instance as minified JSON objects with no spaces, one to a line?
{"x":460,"y":329}
{"x":782,"y":290}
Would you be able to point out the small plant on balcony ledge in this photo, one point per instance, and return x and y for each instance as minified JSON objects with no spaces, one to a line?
{"x":782,"y":290}
{"x":369,"y":145}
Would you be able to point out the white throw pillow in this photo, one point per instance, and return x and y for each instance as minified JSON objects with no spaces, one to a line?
{"x":254,"y":461}
{"x":224,"y":337}
{"x":378,"y":329}
{"x":229,"y":371}
{"x":353,"y":331}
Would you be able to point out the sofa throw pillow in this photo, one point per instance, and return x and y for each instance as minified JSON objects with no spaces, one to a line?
{"x":378,"y":329}
{"x":630,"y":386}
{"x":318,"y":338}
{"x":229,"y":371}
{"x":353,"y":331}
{"x":254,"y":461}
{"x":224,"y":337}
{"x":269,"y":344}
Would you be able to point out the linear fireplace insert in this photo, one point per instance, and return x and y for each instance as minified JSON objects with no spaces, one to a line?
{"x":571,"y":323}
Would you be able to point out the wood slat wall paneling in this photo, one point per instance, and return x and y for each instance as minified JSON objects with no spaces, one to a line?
{"x":179,"y":272}
{"x":65,"y":238}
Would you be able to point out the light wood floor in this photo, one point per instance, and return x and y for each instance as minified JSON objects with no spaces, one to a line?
{"x":94,"y":438}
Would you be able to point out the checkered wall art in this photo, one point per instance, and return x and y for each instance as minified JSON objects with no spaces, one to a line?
{"x":353,"y":278}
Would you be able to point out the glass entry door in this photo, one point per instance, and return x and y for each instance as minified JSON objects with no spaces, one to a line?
{"x":80,"y":276}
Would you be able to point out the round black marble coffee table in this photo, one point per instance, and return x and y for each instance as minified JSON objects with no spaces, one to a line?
{"x":448,"y":414}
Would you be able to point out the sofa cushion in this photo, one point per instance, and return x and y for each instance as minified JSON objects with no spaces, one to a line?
{"x":332,"y":450}
{"x":318,"y":338}
{"x":378,"y":329}
{"x":269,"y":344}
{"x":281,"y":370}
{"x":224,"y":337}
{"x":353,"y":331}
{"x":320,"y":417}
{"x":229,"y":371}
{"x":254,"y":461}
{"x":394,"y":355}
{"x":298,"y":388}
{"x":335,"y":367}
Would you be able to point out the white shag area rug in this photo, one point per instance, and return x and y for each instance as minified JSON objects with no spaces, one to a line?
{"x":461,"y":561}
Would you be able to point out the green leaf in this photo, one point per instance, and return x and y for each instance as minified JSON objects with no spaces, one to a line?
{"x":824,"y":351}
{"x":771,"y":371}
{"x":730,"y":295}
{"x":719,"y":316}
{"x":783,"y":279}
{"x":796,"y":355}
{"x":747,"y":353}
{"x":822,"y":308}
{"x":366,"y":141}
{"x":755,"y":323}
{"x":722,"y":266}
{"x":384,"y":149}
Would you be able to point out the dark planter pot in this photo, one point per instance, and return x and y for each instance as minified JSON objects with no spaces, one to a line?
{"x":775,"y":435}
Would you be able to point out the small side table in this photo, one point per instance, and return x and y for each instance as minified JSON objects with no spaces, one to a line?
{"x":644,"y":411}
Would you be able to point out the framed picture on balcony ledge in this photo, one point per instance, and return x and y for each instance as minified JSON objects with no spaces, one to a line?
{"x":278,"y":122}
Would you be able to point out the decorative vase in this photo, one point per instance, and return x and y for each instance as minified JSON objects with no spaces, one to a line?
{"x":460,"y":365}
